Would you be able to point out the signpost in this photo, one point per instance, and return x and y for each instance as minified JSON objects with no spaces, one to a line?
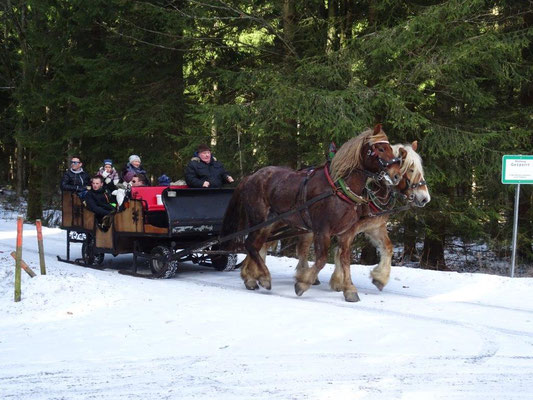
{"x":516,"y":169}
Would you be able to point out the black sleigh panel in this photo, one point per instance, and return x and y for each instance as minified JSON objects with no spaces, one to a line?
{"x":196,"y":211}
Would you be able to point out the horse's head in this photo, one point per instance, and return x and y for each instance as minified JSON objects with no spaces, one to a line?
{"x":378,"y":157}
{"x":412,"y":183}
{"x":369,"y":152}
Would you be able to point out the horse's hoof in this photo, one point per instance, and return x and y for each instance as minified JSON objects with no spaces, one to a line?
{"x":300,"y":288}
{"x":336,"y":288}
{"x":251,"y":285}
{"x":378,"y":284}
{"x":316,"y":282}
{"x":351,"y":297}
{"x":266,"y":283}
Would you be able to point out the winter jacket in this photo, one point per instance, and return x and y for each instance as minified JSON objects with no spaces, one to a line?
{"x":197,"y":172}
{"x":98,"y":202}
{"x":130,"y":171}
{"x":75,"y":181}
{"x":111,"y":179}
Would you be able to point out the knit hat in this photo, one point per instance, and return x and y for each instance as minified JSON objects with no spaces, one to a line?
{"x":107,"y":161}
{"x":163,"y":180}
{"x":203,"y":147}
{"x":134,"y":157}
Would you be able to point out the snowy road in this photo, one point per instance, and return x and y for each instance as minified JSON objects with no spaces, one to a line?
{"x":85,"y":334}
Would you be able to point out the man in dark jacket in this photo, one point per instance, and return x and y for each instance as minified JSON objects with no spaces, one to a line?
{"x":75,"y":178}
{"x":98,"y":200}
{"x":205,"y":171}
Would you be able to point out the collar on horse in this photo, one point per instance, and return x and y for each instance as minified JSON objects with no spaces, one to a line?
{"x":342,"y":190}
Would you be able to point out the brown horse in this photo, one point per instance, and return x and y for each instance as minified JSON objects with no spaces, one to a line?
{"x":276,"y":190}
{"x":412,"y":186}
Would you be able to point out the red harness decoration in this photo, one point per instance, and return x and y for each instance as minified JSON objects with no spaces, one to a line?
{"x":337,"y":190}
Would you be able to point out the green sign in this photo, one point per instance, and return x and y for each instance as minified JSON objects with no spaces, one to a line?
{"x":517,"y":169}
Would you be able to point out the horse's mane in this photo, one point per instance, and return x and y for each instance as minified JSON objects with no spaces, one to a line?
{"x":349,"y":157}
{"x":412,"y":161}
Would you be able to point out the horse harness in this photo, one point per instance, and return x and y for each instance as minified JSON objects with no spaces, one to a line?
{"x":378,"y":205}
{"x":301,"y":197}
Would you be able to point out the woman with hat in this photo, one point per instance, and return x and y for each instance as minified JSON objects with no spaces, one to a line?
{"x":132,"y":168}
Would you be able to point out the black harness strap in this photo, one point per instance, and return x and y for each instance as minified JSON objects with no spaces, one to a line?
{"x":301,"y":198}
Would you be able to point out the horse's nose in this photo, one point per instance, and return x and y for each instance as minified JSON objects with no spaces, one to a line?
{"x":422,"y":202}
{"x":397,"y":179}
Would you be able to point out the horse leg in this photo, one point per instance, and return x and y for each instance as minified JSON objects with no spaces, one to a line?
{"x":254,"y":243}
{"x":379,"y":237}
{"x":249,"y":271}
{"x":337,"y":278}
{"x":343,"y":254}
{"x":302,"y":250}
{"x":306,"y":277}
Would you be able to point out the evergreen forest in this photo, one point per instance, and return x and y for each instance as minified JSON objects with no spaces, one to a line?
{"x":273,"y":83}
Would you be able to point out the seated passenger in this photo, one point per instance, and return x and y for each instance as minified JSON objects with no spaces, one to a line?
{"x":75,"y":179}
{"x":163,"y":180}
{"x":204,"y":171}
{"x":99,"y":201}
{"x":109,"y":174}
{"x":133,"y":167}
{"x":138,"y":180}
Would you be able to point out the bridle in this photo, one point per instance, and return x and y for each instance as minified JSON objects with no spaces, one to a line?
{"x":383,"y":164}
{"x":415,"y":185}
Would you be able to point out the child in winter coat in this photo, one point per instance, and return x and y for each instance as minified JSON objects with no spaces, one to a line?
{"x":109,"y":175}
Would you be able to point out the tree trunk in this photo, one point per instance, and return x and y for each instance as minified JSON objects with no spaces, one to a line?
{"x":289,"y":26}
{"x":525,"y":226}
{"x":433,"y":252}
{"x":409,"y":240}
{"x":20,"y":169}
{"x":35,"y":205}
{"x":333,"y":36}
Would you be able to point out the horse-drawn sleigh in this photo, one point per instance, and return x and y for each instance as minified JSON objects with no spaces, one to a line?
{"x":353,"y":194}
{"x":155,"y":222}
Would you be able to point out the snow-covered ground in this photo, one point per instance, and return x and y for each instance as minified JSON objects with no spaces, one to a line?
{"x":79,"y":333}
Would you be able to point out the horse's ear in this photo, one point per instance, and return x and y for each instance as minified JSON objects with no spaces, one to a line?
{"x":403,"y":153}
{"x":414,"y":145}
{"x":377,"y":129}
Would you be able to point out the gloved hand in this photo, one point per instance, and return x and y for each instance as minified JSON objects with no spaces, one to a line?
{"x":107,"y":180}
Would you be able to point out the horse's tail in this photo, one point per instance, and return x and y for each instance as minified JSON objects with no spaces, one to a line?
{"x":235,"y":218}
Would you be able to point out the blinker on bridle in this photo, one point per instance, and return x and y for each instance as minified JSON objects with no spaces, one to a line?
{"x":382,"y":163}
{"x":415,"y":185}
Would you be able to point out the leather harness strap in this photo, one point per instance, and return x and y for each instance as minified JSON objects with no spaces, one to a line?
{"x":302,"y":198}
{"x":342,"y":190}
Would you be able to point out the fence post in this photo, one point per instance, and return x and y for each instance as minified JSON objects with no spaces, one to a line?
{"x":39,"y":227}
{"x":24,"y":266}
{"x":18,"y":259}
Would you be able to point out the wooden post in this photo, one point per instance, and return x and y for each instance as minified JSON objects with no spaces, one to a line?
{"x":24,"y":266}
{"x":39,"y":227}
{"x":18,"y":258}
